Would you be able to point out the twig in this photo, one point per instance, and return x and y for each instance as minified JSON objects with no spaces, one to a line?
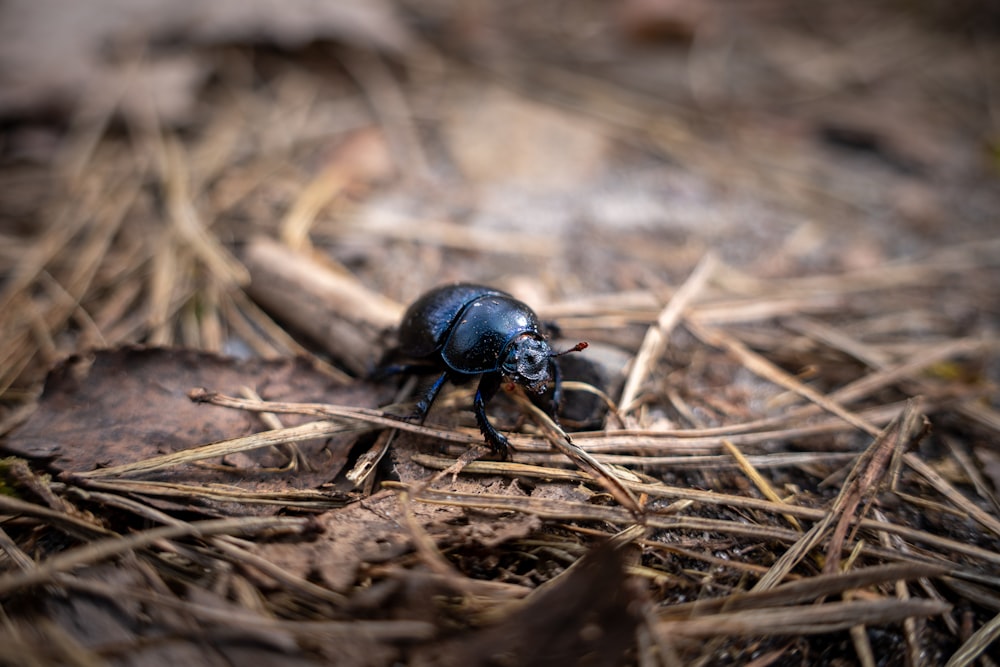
{"x":655,"y":342}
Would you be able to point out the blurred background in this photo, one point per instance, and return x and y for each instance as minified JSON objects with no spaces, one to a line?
{"x":558,"y":149}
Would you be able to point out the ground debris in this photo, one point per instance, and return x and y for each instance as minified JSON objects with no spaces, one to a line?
{"x":775,"y":229}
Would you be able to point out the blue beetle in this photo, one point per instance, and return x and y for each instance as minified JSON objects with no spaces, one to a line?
{"x":467,"y":330}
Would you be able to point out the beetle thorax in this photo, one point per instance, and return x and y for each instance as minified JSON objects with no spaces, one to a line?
{"x":526,"y":362}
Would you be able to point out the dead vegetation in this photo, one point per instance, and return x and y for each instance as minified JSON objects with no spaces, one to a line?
{"x":789,"y":287}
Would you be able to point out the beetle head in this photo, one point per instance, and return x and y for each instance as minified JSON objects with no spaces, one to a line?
{"x":527,"y":362}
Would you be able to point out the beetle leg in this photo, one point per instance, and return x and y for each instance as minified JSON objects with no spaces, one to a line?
{"x":488,"y":386}
{"x":425,"y":403}
{"x":556,"y":376}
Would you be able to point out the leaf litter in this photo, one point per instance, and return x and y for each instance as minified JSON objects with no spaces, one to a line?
{"x":788,"y":456}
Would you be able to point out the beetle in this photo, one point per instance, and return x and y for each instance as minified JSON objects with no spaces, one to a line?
{"x":463,"y":331}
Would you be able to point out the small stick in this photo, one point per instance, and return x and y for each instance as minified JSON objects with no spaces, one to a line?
{"x":333,"y":308}
{"x":655,"y":341}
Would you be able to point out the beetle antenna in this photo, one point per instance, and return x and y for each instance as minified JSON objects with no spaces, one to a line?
{"x":576,"y":348}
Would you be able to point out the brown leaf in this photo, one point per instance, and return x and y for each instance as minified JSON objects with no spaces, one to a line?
{"x":371,"y":531}
{"x":368,"y":531}
{"x":132,"y":403}
{"x":587,"y":617}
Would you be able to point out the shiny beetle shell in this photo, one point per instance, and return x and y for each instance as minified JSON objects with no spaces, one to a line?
{"x":470,"y":326}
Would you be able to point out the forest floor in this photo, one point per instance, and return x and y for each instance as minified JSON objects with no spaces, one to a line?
{"x":774,"y":224}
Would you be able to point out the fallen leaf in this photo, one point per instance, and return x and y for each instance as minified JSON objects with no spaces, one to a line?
{"x":125,"y":405}
{"x":586,"y":617}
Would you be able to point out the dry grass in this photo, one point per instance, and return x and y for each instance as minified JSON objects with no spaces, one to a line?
{"x":765,"y":474}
